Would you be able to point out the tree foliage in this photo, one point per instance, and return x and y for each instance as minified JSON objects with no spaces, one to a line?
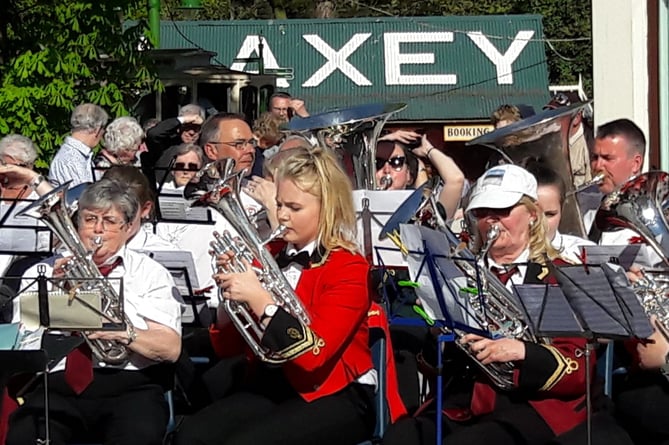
{"x":56,"y":54}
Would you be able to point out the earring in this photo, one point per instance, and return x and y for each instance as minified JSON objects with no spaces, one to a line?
{"x":532,"y":221}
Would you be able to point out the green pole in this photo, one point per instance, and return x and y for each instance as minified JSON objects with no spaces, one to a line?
{"x":154,"y":21}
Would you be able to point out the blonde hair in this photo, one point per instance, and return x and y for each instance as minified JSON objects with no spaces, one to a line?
{"x":541,"y":249}
{"x":317,"y":171}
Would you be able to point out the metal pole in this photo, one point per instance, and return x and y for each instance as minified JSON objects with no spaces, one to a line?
{"x":154,"y":22}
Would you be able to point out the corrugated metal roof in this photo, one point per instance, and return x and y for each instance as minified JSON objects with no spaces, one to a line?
{"x":445,"y":68}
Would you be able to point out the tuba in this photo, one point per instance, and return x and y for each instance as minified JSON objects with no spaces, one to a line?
{"x":492,"y":305}
{"x":544,"y":136}
{"x":641,"y":204}
{"x":356,"y":129}
{"x":82,"y":274}
{"x":222,"y":194}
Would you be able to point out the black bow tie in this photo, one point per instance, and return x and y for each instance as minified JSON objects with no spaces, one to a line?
{"x":283,"y":259}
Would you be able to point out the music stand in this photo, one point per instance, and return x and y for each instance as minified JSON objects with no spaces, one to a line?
{"x":592,"y":301}
{"x":22,"y":236}
{"x":181,"y":266}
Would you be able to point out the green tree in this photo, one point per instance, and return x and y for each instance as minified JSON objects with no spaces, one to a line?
{"x":56,"y":54}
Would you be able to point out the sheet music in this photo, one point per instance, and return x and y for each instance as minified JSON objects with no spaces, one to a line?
{"x":382,"y":205}
{"x":603,"y":297}
{"x":625,"y":255}
{"x":173,"y":207}
{"x":63,"y":314}
{"x":547,"y":309}
{"x":179,"y":263}
{"x":22,"y":234}
{"x":451,"y":285}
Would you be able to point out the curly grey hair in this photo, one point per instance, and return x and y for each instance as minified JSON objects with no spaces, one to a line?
{"x":20,"y":148}
{"x":88,"y":117}
{"x":123,"y":133}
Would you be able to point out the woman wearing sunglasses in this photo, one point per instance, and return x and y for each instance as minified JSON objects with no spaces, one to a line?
{"x":187,"y":162}
{"x":399,"y":156}
{"x":548,"y":397}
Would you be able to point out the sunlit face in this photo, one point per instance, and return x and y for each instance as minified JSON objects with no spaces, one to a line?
{"x":185,"y":168}
{"x":549,"y":202}
{"x":400,"y":176}
{"x":107,"y":225}
{"x":514,"y":225}
{"x":611,"y":157}
{"x":299,"y":211}
{"x":236,"y":141}
{"x":280,"y":107}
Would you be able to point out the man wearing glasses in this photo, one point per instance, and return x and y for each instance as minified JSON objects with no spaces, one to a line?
{"x":94,"y":400}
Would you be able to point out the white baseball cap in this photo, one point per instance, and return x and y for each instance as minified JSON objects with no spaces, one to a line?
{"x":502,"y":187}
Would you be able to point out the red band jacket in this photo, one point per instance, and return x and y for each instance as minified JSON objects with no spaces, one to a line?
{"x":552,"y":375}
{"x":333,"y":351}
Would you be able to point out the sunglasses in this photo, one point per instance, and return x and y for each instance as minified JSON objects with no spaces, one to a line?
{"x":500,"y":213}
{"x":186,"y":166}
{"x":396,"y":162}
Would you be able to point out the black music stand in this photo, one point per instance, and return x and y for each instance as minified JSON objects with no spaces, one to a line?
{"x":593,"y":302}
{"x":181,"y":266}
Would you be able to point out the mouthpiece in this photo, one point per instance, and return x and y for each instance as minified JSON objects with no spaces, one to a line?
{"x":385,"y":182}
{"x":490,"y":238}
{"x":596,"y":180}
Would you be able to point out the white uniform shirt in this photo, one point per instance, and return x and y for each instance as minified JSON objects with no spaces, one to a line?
{"x":569,"y":246}
{"x":196,"y":238}
{"x":149,"y":294}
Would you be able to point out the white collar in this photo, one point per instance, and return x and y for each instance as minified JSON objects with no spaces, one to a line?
{"x":292,"y":250}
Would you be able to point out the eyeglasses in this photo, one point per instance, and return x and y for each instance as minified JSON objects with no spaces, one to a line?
{"x":186,"y":166}
{"x":500,"y":213}
{"x":109,"y":223}
{"x":396,"y":162}
{"x":239,"y":145}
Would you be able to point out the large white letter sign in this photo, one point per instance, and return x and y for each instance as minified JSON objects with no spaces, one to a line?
{"x":395,"y":59}
{"x":504,"y":61}
{"x":250,"y":47}
{"x":336,"y":60}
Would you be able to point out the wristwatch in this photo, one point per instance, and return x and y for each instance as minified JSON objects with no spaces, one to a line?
{"x":269,"y":312}
{"x":132,"y":335}
{"x":37,"y":181}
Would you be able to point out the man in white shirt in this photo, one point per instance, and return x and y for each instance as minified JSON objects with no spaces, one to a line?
{"x":115,"y":403}
{"x":73,"y":161}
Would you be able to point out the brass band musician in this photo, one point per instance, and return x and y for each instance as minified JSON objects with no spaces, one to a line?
{"x":90,"y":399}
{"x":548,"y":392}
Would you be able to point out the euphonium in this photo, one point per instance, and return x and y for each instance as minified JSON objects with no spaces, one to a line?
{"x":357,"y":129}
{"x":82,"y":274}
{"x":493,"y":306}
{"x":223,"y":196}
{"x":640,"y":204}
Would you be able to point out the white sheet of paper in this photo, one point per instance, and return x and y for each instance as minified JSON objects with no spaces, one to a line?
{"x":175,"y":261}
{"x":382,"y":205}
{"x":176,"y":208}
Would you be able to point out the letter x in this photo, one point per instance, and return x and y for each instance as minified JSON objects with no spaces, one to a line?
{"x":337,"y":60}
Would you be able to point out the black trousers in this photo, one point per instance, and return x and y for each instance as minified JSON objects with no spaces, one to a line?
{"x":118,"y":408}
{"x":269,"y":412}
{"x":642,"y":404}
{"x":512,"y":423}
